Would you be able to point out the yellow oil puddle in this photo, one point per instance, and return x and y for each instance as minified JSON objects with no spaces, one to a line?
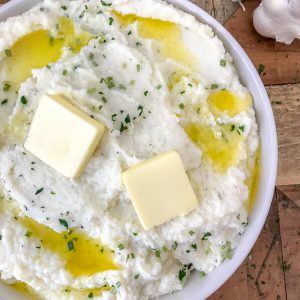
{"x":25,"y":290}
{"x":83,"y":255}
{"x":253,"y":180}
{"x":168,"y":35}
{"x":225,"y":101}
{"x":39,"y":48}
{"x":223,"y":152}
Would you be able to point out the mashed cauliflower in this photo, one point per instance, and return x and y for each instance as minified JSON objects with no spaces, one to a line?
{"x":158,"y":80}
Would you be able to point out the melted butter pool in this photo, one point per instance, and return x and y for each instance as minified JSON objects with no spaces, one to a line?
{"x":253,"y":180}
{"x":223,"y":152}
{"x":83,"y":255}
{"x":168,"y":34}
{"x":39,"y":48}
{"x":225,"y":101}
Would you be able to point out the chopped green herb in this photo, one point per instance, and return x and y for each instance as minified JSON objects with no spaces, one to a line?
{"x":105,"y":3}
{"x":174,"y":245}
{"x":138,"y":67}
{"x":0,"y":237}
{"x":190,"y":85}
{"x":182,"y":92}
{"x":194,"y":246}
{"x":64,"y":72}
{"x":261,"y":68}
{"x":121,"y":247}
{"x":91,"y":295}
{"x":182,"y":274}
{"x":129,"y":32}
{"x":132,"y":255}
{"x":146,"y":93}
{"x":158,"y":87}
{"x":91,"y":91}
{"x":71,"y":245}
{"x":6,"y":86}
{"x":214,"y":86}
{"x":132,"y":82}
{"x":136,"y":276}
{"x":4,"y":101}
{"x":110,"y":20}
{"x":28,"y":234}
{"x":226,"y":250}
{"x":109,"y":81}
{"x":91,"y":56}
{"x":39,"y":191}
{"x":191,"y":232}
{"x":113,"y":117}
{"x":122,"y":87}
{"x":157,"y":253}
{"x":202,"y":274}
{"x":63,"y":7}
{"x":181,"y":106}
{"x":206,"y":235}
{"x":24,"y":100}
{"x":101,"y":39}
{"x":8,"y":52}
{"x":127,"y":119}
{"x":63,"y":223}
{"x":232,"y":128}
{"x":141,"y":109}
{"x":138,"y":44}
{"x":135,"y":233}
{"x":222,"y":62}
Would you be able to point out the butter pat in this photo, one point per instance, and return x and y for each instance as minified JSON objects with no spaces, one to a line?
{"x":160,"y":189}
{"x":63,"y":136}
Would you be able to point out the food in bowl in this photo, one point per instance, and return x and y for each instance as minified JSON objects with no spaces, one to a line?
{"x":168,"y":94}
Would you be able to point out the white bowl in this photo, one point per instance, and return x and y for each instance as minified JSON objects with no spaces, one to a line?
{"x":200,"y":288}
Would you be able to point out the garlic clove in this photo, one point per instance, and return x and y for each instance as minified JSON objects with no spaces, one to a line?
{"x":279,"y":19}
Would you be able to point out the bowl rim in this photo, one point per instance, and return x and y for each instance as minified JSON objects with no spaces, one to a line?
{"x":198,"y":288}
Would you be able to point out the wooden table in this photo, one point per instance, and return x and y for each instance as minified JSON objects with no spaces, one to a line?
{"x":272,"y":269}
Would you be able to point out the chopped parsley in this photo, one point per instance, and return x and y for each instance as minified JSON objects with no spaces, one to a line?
{"x":121,"y":247}
{"x":132,"y":82}
{"x":158,"y":87}
{"x":4,"y":101}
{"x":110,"y":21}
{"x":39,"y":191}
{"x":205,"y":236}
{"x":194,"y":246}
{"x":105,"y":3}
{"x":70,"y":245}
{"x":261,"y":68}
{"x":24,"y":100}
{"x":113,"y":117}
{"x":157,"y":253}
{"x":182,"y":274}
{"x":226,"y":250}
{"x":122,"y":87}
{"x":136,"y":276}
{"x":222,"y":62}
{"x":123,"y":127}
{"x":63,"y":7}
{"x":127,"y":119}
{"x":63,"y":223}
{"x":91,"y":295}
{"x":135,"y":233}
{"x":101,"y":39}
{"x":214,"y":86}
{"x":8,"y":52}
{"x":191,"y":232}
{"x":28,"y":234}
{"x":138,"y":67}
{"x":109,"y":81}
{"x":202,"y":274}
{"x":138,"y":44}
{"x":64,"y":72}
{"x":6,"y":86}
{"x":146,"y":93}
{"x":181,"y":106}
{"x":174,"y":245}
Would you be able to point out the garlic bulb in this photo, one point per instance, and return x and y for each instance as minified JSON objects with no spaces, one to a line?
{"x":279,"y":19}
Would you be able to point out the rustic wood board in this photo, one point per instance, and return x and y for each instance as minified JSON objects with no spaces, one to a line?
{"x":272,"y":269}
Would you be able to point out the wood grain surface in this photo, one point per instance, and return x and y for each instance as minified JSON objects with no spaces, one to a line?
{"x":272,"y":269}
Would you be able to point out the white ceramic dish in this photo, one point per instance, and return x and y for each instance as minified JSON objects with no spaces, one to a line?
{"x":200,"y":288}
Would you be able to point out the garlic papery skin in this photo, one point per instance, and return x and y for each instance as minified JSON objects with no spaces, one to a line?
{"x":278,"y":19}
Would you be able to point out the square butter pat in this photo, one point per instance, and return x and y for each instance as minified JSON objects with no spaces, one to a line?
{"x":63,"y":136}
{"x":160,"y":189}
